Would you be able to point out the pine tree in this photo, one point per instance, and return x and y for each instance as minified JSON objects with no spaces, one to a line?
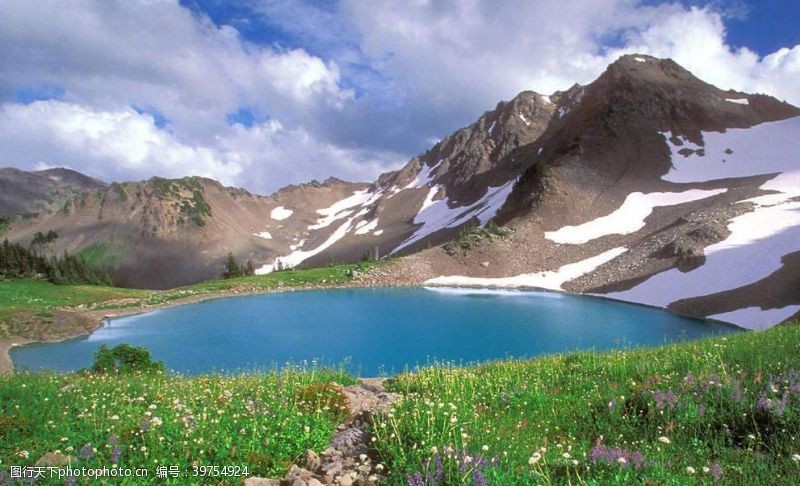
{"x":231,"y":268}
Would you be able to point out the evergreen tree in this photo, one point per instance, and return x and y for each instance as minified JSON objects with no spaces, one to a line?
{"x":231,"y":269}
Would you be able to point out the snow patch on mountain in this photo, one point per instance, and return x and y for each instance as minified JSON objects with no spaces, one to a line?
{"x":364,"y":227}
{"x":280,"y":213}
{"x":264,"y":234}
{"x":344,"y":208}
{"x":739,"y":152}
{"x":756,"y":318}
{"x":629,"y":218}
{"x":438,"y":215}
{"x":759,"y":238}
{"x":551,"y":280}
{"x":298,"y":256}
{"x":424,"y":176}
{"x":742,"y":101}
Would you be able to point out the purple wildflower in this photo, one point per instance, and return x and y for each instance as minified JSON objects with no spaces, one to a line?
{"x":144,"y":424}
{"x":71,"y":481}
{"x":763,"y":404}
{"x":716,"y":472}
{"x":671,"y":399}
{"x":415,"y":479}
{"x":478,"y":478}
{"x":612,"y":455}
{"x":86,"y":452}
{"x":112,"y":440}
{"x":116,"y":452}
{"x":438,"y":472}
{"x":701,"y":410}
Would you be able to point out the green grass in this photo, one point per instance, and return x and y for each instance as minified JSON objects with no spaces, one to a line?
{"x":104,"y":254}
{"x":40,"y":296}
{"x":678,"y":413}
{"x":262,"y":421}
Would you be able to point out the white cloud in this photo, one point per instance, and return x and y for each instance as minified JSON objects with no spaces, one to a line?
{"x":124,"y":144}
{"x":462,"y":56}
{"x":391,"y":79}
{"x":109,"y":144}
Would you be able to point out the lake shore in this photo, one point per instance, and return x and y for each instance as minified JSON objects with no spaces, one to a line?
{"x":92,"y":319}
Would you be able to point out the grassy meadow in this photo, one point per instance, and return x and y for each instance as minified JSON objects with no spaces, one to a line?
{"x":723,"y":410}
{"x":716,"y":411}
{"x":43,"y":298}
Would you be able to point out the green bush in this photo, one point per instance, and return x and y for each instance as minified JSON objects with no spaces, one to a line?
{"x":124,"y":358}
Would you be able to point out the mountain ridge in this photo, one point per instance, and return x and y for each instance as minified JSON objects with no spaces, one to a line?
{"x":548,"y":167}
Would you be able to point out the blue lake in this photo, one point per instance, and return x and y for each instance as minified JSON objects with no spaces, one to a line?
{"x":374,"y":331}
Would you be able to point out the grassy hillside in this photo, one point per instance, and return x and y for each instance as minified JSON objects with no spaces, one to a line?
{"x":723,"y":410}
{"x":263,"y":422}
{"x":43,"y":298}
{"x":720,"y":410}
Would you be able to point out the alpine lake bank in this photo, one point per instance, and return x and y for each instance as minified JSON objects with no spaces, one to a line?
{"x":717,"y":410}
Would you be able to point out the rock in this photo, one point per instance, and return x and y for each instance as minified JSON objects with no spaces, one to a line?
{"x":311,"y":461}
{"x":256,"y":481}
{"x":485,"y":264}
{"x":55,"y":459}
{"x":346,"y":480}
{"x":314,"y":482}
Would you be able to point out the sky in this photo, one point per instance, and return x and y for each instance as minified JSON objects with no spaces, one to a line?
{"x":264,"y":93}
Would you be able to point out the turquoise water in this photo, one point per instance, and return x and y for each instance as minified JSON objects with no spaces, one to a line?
{"x":373,"y":330}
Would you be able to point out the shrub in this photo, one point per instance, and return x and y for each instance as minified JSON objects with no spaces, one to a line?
{"x":124,"y":358}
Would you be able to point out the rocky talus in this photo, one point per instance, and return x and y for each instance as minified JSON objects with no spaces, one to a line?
{"x":348,"y":460}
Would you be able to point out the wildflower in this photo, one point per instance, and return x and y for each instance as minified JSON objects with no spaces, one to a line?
{"x":796,"y":457}
{"x":485,"y":448}
{"x":478,"y":478}
{"x":566,"y":455}
{"x":64,"y":439}
{"x":115,"y":417}
{"x":157,"y":422}
{"x":690,"y":470}
{"x":86,"y":452}
{"x":664,"y":440}
{"x":26,"y":454}
{"x":115,"y":454}
{"x":716,"y":472}
{"x":622,"y":460}
{"x":534,"y":458}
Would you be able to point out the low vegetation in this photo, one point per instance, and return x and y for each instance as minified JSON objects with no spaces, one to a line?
{"x":263,"y":422}
{"x":472,"y":235}
{"x":721,"y":410}
{"x":189,"y":192}
{"x":724,"y":410}
{"x":42,"y":297}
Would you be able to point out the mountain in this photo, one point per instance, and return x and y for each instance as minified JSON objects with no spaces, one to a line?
{"x":26,"y":193}
{"x":646,"y":185}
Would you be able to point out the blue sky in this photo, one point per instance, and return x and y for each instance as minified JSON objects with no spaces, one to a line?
{"x":263,"y":93}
